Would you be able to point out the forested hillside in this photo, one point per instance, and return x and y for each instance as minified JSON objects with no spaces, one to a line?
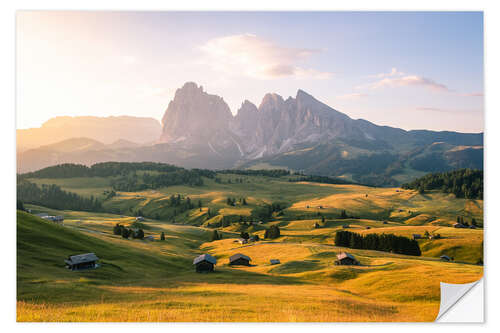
{"x":464,"y":183}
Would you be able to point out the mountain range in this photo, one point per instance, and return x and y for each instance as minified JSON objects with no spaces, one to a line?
{"x":298,"y":133}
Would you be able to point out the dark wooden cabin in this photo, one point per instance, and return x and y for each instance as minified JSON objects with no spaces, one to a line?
{"x":204,"y":263}
{"x":239,"y":259}
{"x":345,"y":258}
{"x":82,"y":261}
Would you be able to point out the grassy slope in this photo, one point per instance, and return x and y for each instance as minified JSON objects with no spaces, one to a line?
{"x":373,"y":205}
{"x":381,"y":203}
{"x":143,"y":281}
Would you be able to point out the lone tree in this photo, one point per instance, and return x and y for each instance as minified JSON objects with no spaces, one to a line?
{"x":215,"y":236}
{"x":139,"y":234}
{"x":117,"y":229}
{"x":125,"y":233}
{"x":20,"y":205}
{"x":244,"y":235}
{"x":322,"y":219}
{"x":273,"y":232}
{"x":162,"y":237}
{"x":343,"y":214}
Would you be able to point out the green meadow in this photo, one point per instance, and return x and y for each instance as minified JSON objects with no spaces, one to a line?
{"x":141,"y":280}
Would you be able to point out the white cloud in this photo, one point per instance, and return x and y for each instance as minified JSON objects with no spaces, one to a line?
{"x":255,"y":57}
{"x":394,"y":72}
{"x":396,"y":78}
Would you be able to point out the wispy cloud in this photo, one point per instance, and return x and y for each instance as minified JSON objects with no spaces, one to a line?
{"x":394,"y":72}
{"x":255,"y":57}
{"x":396,"y":78}
{"x":352,"y":96}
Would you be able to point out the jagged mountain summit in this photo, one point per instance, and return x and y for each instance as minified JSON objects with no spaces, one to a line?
{"x":299,"y":133}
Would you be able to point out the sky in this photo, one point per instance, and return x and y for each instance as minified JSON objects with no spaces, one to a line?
{"x":412,"y":70}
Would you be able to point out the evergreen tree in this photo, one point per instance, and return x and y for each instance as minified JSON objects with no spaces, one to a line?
{"x":162,"y":237}
{"x":125,"y":233}
{"x":273,"y":232}
{"x":139,"y":234}
{"x":244,"y":235}
{"x":215,"y":236}
{"x":117,"y":229}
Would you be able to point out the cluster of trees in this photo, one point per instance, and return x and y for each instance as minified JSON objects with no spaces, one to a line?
{"x":119,"y":229}
{"x":52,"y":196}
{"x":464,"y":183}
{"x":320,"y":179}
{"x":273,"y":232}
{"x":461,"y":220}
{"x":108,"y":169}
{"x":125,"y":177}
{"x":232,"y":201}
{"x":344,"y":215}
{"x":275,"y":173}
{"x":383,"y":242}
{"x":132,"y":182}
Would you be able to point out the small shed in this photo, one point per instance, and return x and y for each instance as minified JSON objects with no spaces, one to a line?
{"x":42,"y":215}
{"x":239,"y":259}
{"x":345,"y":226}
{"x":345,"y":258}
{"x":473,"y":227}
{"x":458,"y":225}
{"x":417,"y":236}
{"x":139,"y":218}
{"x":150,"y":238}
{"x":204,"y":263}
{"x":445,"y":258}
{"x":275,"y":261}
{"x":385,"y":222}
{"x":82,"y":261}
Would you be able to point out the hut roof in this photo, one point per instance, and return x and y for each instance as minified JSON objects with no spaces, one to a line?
{"x":445,"y":257}
{"x":205,"y":257}
{"x":238,"y":256}
{"x":274,"y":261}
{"x":345,"y":255}
{"x":81,"y":258}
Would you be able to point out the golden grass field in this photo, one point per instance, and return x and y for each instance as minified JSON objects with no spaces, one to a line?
{"x":155,"y":281}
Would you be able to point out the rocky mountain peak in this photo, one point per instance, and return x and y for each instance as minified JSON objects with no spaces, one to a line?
{"x":271,"y":101}
{"x":194,"y":115}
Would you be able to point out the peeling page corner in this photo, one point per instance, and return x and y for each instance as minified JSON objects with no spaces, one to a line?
{"x":461,"y":302}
